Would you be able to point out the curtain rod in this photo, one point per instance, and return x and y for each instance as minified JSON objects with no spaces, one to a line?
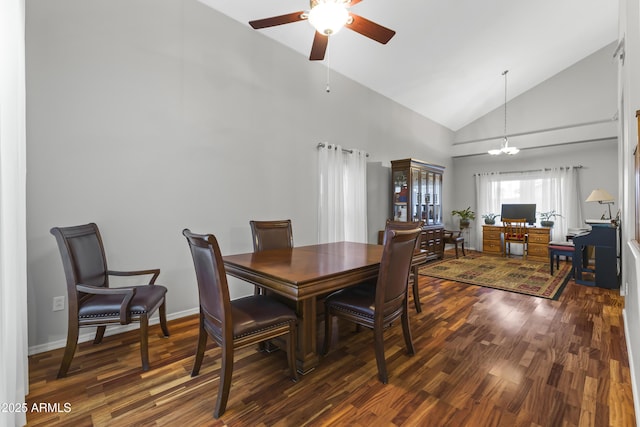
{"x":531,"y":170}
{"x":344,"y":150}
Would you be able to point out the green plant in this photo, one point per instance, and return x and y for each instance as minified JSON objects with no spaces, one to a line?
{"x":547,"y":216}
{"x":490,"y":216}
{"x":465,"y":214}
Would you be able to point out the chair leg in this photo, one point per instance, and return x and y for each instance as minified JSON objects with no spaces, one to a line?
{"x":144,"y":341}
{"x":416,"y":290}
{"x":69,"y":351}
{"x":328,"y":331}
{"x":202,"y":344}
{"x":456,"y":245}
{"x":99,"y":334}
{"x":406,"y":332}
{"x":226,"y":371}
{"x":378,"y":332}
{"x":463,"y":253}
{"x":291,"y":352}
{"x":162,"y":311}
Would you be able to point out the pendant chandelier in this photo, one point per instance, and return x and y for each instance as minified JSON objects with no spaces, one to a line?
{"x":504,"y":147}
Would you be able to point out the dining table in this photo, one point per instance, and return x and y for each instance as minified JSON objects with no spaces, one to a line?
{"x":301,"y":275}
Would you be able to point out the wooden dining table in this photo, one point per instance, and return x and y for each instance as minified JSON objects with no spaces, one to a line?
{"x":302,"y":274}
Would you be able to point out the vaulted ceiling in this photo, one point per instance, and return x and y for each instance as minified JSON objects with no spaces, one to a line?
{"x":447,"y":57}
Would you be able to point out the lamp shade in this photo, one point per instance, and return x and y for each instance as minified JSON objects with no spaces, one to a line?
{"x":599,"y":195}
{"x":328,"y":16}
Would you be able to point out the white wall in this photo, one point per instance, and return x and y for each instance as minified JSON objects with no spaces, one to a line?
{"x":598,"y":159}
{"x":545,"y":122}
{"x":149,"y":116}
{"x":629,"y":102}
{"x":577,"y":104}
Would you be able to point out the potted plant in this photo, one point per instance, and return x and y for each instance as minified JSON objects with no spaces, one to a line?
{"x":546,"y":218}
{"x":490,"y":218}
{"x":466,"y":216}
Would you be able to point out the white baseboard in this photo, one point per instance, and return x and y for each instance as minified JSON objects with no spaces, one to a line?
{"x":111,"y":330}
{"x":634,"y":385}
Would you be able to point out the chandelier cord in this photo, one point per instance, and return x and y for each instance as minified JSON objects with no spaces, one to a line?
{"x":505,"y":105}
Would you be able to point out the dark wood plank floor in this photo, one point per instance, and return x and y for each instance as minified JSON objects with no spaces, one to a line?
{"x":483,"y":358}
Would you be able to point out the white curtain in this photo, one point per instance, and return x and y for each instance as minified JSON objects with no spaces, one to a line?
{"x":556,"y":189}
{"x":342,"y":191}
{"x":14,"y":365}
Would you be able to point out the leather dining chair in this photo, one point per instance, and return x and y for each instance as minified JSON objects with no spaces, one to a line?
{"x":233,"y":324}
{"x":267,"y":235}
{"x":515,"y":231}
{"x":413,"y":275}
{"x":92,"y":302}
{"x":454,"y":237}
{"x":376,"y":305}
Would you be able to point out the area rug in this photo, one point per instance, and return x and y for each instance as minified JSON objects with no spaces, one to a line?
{"x":509,"y":274}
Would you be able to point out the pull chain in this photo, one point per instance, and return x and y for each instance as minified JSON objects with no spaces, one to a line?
{"x":328,"y":88}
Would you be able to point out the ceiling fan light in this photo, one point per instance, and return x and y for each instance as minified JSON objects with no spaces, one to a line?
{"x":510,"y":150}
{"x":328,"y":16}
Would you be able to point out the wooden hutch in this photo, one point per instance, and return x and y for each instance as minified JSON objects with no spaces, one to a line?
{"x":417,"y":195}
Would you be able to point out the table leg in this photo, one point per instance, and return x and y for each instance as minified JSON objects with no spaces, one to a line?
{"x":307,"y":352}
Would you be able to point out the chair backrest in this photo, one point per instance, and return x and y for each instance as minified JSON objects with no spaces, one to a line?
{"x":83,"y":258}
{"x":515,"y":228}
{"x":391,"y":288}
{"x":213,"y":289}
{"x":403,"y":225}
{"x":271,"y":234}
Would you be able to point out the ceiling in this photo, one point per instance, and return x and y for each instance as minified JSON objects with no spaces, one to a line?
{"x":447,"y":57}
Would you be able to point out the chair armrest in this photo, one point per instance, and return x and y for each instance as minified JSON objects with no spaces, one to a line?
{"x":127,"y":293}
{"x":154,"y":271}
{"x":450,"y":232}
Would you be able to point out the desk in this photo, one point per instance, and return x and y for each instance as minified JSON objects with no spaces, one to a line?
{"x":537,"y":241}
{"x":301,"y":274}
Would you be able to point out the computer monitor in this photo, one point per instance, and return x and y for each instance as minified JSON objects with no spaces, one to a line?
{"x":519,"y":210}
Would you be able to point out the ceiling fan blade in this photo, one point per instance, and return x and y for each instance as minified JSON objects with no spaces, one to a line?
{"x":370,"y":29}
{"x":278,"y":20}
{"x":319,"y":47}
{"x":354,"y":2}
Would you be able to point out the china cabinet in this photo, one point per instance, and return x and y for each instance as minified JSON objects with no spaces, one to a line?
{"x":417,"y":195}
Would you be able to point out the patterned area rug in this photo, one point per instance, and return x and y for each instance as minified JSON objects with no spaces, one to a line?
{"x":509,"y":274}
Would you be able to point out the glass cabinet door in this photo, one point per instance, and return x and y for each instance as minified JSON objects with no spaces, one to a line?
{"x":430,"y":197}
{"x":418,"y":205}
{"x":437,"y":199}
{"x":400,"y":195}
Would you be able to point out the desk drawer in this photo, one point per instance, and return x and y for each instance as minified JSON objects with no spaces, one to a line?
{"x":492,"y":234}
{"x":491,"y":246}
{"x":541,"y":238}
{"x":538,"y":251}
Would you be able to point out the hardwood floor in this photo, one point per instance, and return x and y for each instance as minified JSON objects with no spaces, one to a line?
{"x":483,"y":357}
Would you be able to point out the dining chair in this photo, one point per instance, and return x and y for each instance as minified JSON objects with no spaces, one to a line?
{"x":455,"y":237}
{"x":233,"y":324}
{"x":515,"y":231}
{"x":377,"y":305}
{"x":267,"y":235}
{"x":92,"y":302}
{"x":413,"y":275}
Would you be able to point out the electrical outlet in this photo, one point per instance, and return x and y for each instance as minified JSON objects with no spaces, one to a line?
{"x":58,"y":303}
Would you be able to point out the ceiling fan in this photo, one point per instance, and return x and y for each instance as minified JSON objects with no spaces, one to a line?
{"x":328,"y":17}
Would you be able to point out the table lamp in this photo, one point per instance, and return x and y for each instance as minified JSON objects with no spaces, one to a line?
{"x":601,"y":196}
